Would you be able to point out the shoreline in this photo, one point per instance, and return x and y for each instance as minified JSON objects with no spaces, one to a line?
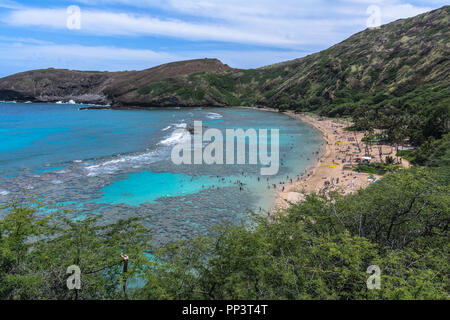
{"x":340,"y":151}
{"x":340,"y":148}
{"x":282,"y":198}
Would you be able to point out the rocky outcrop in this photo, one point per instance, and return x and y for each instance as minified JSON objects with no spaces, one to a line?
{"x":51,"y":85}
{"x":117,"y":88}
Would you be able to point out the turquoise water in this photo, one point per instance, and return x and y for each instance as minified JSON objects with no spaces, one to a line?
{"x":50,"y":169}
{"x":18,"y":138}
{"x":117,"y":163}
{"x":146,"y":187}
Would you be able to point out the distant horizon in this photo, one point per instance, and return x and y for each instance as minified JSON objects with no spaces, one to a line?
{"x":121,"y":35}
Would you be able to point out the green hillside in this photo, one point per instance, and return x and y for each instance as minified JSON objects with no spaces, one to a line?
{"x":371,"y":67}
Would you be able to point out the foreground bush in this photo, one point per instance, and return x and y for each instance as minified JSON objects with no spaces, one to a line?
{"x":321,"y":249}
{"x":318,"y":249}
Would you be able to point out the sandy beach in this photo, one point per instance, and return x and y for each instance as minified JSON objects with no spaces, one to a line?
{"x":341,"y":149}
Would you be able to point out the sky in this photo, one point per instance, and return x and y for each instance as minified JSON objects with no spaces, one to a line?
{"x":115,"y":35}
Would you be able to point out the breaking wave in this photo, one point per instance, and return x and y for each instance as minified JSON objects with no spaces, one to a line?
{"x":176,"y":137}
{"x":122,"y":162}
{"x":180,"y":125}
{"x":212,"y":115}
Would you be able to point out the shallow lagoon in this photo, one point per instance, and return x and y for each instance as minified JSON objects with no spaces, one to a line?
{"x":117,"y":163}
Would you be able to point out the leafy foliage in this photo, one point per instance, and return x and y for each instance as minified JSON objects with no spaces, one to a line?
{"x":36,"y":251}
{"x":316,"y":249}
{"x":321,"y":248}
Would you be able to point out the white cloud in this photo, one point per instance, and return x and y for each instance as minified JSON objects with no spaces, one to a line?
{"x":30,"y":56}
{"x":238,"y":10}
{"x":290,"y":28}
{"x":8,"y":4}
{"x":400,"y":11}
{"x":111,"y":23}
{"x":287,"y":24}
{"x":23,"y":40}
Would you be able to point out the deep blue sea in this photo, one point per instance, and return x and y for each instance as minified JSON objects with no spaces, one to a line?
{"x":117,"y":163}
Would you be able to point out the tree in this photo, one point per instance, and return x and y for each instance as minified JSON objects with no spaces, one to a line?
{"x":37,"y":249}
{"x":321,"y":249}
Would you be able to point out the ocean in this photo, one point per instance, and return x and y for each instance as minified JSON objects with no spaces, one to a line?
{"x":116,"y":163}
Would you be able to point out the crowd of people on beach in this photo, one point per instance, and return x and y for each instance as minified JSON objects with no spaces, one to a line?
{"x":335,"y":168}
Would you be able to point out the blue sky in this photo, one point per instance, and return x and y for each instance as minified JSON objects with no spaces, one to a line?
{"x":137,"y":34}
